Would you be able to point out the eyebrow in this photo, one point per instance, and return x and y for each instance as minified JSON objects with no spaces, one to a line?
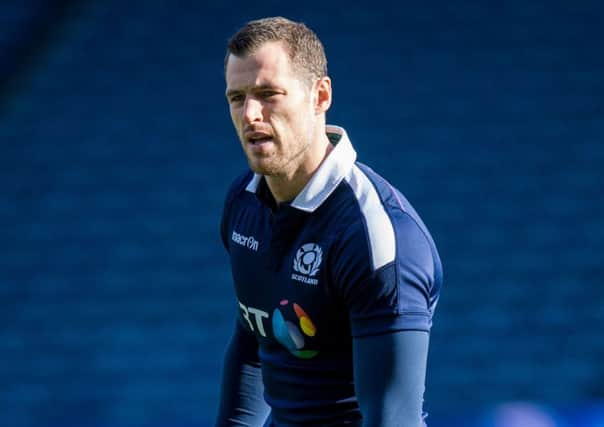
{"x":231,"y":92}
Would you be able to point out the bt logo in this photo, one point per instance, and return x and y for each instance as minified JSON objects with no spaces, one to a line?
{"x":258,"y":316}
{"x":292,"y":336}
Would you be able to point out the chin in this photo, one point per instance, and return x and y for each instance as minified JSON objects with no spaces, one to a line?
{"x":263,"y":169}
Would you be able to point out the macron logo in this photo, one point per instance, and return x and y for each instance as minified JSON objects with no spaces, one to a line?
{"x":247,"y":242}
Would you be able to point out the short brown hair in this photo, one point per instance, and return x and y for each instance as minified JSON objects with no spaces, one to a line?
{"x":306,"y":52}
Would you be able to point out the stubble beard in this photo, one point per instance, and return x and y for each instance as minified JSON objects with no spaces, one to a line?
{"x":279,"y":164}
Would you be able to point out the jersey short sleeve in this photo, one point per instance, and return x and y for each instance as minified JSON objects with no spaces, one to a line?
{"x":400,"y":295}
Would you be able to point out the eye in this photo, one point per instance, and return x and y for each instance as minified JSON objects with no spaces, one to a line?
{"x":267,"y":93}
{"x":236,"y":98}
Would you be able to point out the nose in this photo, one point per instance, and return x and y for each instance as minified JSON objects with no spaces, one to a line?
{"x":252,"y":110}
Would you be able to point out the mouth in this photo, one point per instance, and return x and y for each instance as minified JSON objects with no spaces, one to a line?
{"x":258,"y":138}
{"x":260,"y":141}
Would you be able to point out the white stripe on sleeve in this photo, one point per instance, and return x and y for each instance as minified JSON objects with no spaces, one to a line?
{"x":379,"y":225}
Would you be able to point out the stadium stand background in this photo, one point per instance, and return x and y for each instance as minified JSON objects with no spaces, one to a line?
{"x":116,"y":150}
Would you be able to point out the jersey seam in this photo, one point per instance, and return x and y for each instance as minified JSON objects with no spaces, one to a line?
{"x":400,"y":206}
{"x":364,"y":222}
{"x":396,"y":270}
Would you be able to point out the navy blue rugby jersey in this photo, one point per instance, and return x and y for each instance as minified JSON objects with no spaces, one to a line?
{"x":348,"y":257}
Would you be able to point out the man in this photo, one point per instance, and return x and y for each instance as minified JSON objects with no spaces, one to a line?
{"x":336,"y":275}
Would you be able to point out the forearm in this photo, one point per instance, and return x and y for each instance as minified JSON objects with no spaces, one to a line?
{"x":390,"y":375}
{"x":241,"y":396}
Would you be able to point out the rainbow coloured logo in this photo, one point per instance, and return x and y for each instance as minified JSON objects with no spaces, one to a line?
{"x":292,"y":336}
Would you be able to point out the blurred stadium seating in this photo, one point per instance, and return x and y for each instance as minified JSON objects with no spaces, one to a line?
{"x":116,"y":150}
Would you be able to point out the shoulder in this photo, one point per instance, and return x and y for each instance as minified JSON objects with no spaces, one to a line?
{"x":236,"y":189}
{"x":238,"y":186}
{"x":389,"y":227}
{"x":386,"y":216}
{"x":240,"y":183}
{"x":389,"y":268}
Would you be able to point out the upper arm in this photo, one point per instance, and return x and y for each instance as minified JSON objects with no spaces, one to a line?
{"x":389,"y":376}
{"x":390,"y":312}
{"x":400,"y":295}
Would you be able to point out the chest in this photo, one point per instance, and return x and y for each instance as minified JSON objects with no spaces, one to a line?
{"x":281,"y":272}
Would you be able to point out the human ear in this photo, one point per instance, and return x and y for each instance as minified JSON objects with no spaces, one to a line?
{"x":323,"y":95}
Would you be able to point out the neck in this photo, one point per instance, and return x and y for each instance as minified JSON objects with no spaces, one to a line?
{"x":286,"y":187}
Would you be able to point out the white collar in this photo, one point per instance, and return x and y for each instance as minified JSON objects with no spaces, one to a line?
{"x":324,"y":181}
